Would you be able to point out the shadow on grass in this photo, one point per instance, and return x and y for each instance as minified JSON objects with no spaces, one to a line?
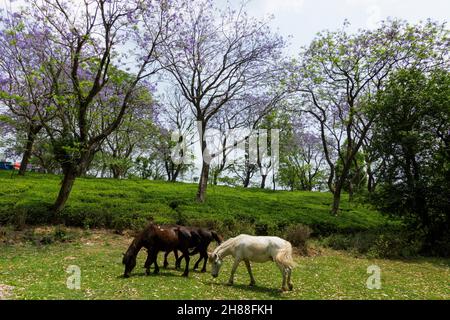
{"x":435,"y":261}
{"x":162,"y":273}
{"x":275,"y":293}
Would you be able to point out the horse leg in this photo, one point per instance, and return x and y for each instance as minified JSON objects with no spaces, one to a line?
{"x":197,"y":263}
{"x":283,"y":273}
{"x":166,"y":263}
{"x":233,"y":270}
{"x":178,"y":259}
{"x":186,"y":258}
{"x":155,"y":259}
{"x":200,"y":251}
{"x":290,"y":285}
{"x":205,"y":259}
{"x":148,"y":262}
{"x":249,"y":269}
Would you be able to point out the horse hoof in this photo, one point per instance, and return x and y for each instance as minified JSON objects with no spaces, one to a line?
{"x":252,"y":284}
{"x":126,"y":276}
{"x":147,"y":272}
{"x":291,"y":287}
{"x":185,"y":275}
{"x":229,"y":283}
{"x":203,"y":270}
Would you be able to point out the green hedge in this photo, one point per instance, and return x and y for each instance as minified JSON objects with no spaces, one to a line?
{"x":122,"y":204}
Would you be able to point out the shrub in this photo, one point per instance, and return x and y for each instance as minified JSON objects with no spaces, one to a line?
{"x":298,"y":236}
{"x":19,"y":220}
{"x":337,"y":242}
{"x":379,"y":244}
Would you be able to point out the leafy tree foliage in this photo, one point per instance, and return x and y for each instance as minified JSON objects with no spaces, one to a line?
{"x":413,"y":139}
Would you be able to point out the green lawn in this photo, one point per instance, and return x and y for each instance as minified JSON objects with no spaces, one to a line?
{"x":39,"y":272}
{"x":121,"y":204}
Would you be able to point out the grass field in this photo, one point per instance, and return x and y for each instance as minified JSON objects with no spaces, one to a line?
{"x":28,"y":271}
{"x":33,"y":261}
{"x":121,"y":204}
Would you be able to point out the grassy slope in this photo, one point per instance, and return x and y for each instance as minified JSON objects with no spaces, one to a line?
{"x":124,"y":203}
{"x":39,"y":273}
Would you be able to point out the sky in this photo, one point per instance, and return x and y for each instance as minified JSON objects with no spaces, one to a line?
{"x":302,"y":19}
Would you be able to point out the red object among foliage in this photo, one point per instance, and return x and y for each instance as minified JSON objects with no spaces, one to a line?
{"x":16,"y":165}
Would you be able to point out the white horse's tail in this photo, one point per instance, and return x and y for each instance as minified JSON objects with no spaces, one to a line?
{"x":284,"y":256}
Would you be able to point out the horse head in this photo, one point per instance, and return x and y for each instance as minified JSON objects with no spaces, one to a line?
{"x":129,"y":257}
{"x":216,"y":262}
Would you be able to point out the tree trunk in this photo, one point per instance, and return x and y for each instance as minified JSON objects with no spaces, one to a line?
{"x":370,"y":183}
{"x":215,"y":178}
{"x":274,"y":187}
{"x":336,"y":200}
{"x":28,"y":149}
{"x":350,"y":191}
{"x":26,"y":156}
{"x":203,"y":184}
{"x":66,"y":187}
{"x":115,"y":173}
{"x":176,"y":173}
{"x":102,"y":174}
{"x":247,"y":179}
{"x":337,"y":190}
{"x":263,"y":181}
{"x":168,"y":168}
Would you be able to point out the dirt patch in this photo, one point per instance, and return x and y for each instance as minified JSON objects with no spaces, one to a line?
{"x":5,"y":291}
{"x":42,"y":235}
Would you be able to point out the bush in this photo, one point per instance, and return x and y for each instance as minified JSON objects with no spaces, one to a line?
{"x":298,"y":236}
{"x":128,"y":204}
{"x":337,"y":242}
{"x":19,"y":220}
{"x":380,"y":244}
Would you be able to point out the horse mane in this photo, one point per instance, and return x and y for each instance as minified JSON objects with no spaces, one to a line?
{"x":133,"y":249}
{"x":225,"y":245}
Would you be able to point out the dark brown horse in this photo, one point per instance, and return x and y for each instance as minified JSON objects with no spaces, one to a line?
{"x":205,"y":237}
{"x":194,"y":241}
{"x":155,"y":239}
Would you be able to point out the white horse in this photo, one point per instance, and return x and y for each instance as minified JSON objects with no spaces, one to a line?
{"x":258,"y":249}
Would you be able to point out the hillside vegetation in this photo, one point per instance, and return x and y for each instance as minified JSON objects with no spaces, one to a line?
{"x":121,"y":204}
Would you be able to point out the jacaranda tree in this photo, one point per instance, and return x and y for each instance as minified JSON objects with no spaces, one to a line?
{"x":217,"y":55}
{"x":89,"y":48}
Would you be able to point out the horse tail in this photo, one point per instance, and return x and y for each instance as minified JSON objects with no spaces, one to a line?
{"x":217,"y":237}
{"x":284,"y":256}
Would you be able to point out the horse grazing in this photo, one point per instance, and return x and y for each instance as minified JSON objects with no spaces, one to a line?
{"x":156,"y":238}
{"x":258,"y":249}
{"x":205,"y":237}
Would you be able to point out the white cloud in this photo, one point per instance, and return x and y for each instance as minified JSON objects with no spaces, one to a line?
{"x":374,"y":16}
{"x":373,"y":11}
{"x":271,"y":6}
{"x":360,"y":2}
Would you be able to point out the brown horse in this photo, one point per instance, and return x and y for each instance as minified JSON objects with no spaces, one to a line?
{"x":205,"y":237}
{"x":156,"y":238}
{"x":189,"y":233}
